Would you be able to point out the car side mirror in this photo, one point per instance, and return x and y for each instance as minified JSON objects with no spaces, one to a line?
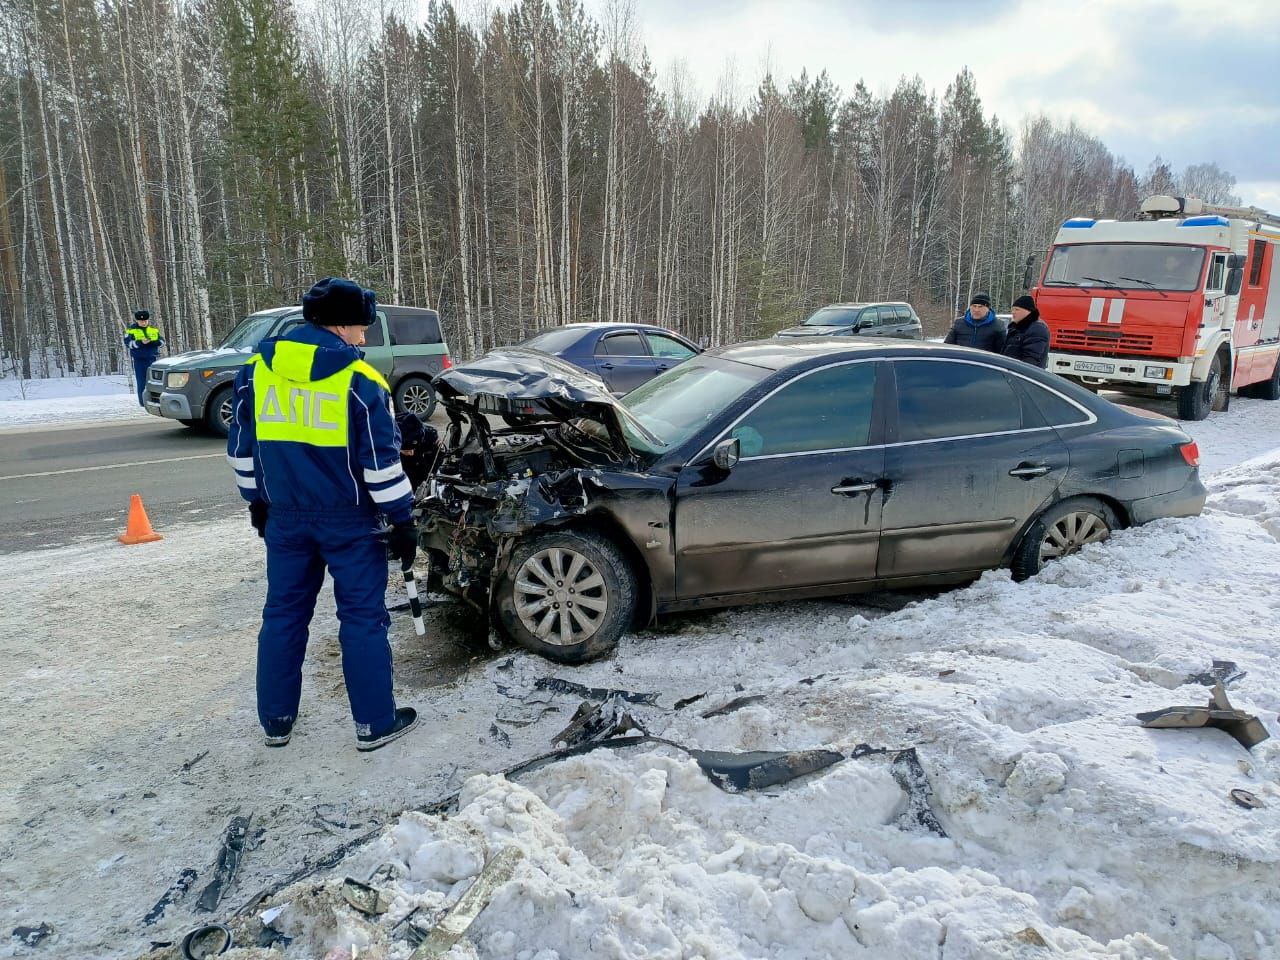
{"x":727,"y":453}
{"x":1235,"y":277}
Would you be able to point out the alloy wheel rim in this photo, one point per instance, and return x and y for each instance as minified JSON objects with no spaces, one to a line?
{"x":560,"y":596}
{"x":416,"y":399}
{"x":225,"y":412}
{"x":1072,"y":532}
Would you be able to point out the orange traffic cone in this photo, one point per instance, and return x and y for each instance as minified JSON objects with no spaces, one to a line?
{"x":138,"y":529}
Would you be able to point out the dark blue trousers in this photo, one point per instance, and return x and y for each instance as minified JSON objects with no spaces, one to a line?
{"x":300,"y":545}
{"x":142,"y":360}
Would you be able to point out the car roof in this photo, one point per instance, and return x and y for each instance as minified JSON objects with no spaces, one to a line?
{"x":868,"y":303}
{"x":779,"y":354}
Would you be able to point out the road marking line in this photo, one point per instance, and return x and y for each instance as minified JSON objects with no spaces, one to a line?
{"x":113,"y":466}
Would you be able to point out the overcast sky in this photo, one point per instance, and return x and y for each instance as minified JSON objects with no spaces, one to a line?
{"x":1188,"y":80}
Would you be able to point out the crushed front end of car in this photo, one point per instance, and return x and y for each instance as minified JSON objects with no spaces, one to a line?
{"x":536,"y":446}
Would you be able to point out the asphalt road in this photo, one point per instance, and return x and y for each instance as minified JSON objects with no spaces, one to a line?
{"x":62,"y":485}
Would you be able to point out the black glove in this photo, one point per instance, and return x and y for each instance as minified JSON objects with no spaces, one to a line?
{"x":258,"y":516}
{"x":402,"y":543}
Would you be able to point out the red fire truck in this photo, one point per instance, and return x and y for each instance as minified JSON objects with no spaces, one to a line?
{"x":1184,"y":301}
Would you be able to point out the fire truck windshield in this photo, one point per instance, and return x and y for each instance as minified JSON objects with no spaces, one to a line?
{"x":1151,"y":266}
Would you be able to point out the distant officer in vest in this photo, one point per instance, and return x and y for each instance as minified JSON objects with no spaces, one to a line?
{"x":143,"y":342}
{"x":316,"y":454}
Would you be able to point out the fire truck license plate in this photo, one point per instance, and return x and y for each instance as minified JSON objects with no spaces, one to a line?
{"x":1086,"y":367}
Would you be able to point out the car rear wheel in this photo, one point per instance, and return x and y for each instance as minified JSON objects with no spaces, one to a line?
{"x":415,"y":395}
{"x":566,"y":595}
{"x":1063,"y":529}
{"x":218,"y":412}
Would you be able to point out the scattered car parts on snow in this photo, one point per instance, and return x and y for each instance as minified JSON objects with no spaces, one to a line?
{"x":1245,"y":727}
{"x":234,"y":841}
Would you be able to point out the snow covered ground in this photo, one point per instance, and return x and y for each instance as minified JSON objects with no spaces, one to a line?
{"x":59,"y":400}
{"x":129,"y":702}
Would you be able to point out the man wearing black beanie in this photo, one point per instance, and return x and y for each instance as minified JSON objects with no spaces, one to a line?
{"x":1028,"y":337}
{"x":316,"y":454}
{"x":978,"y":327}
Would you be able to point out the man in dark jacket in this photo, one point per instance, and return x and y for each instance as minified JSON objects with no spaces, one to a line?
{"x":1028,"y":338}
{"x":978,"y":327}
{"x":419,"y":446}
{"x":316,"y":453}
{"x":143,"y":342}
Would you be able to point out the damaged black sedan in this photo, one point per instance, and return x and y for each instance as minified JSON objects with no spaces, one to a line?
{"x":772,"y":470}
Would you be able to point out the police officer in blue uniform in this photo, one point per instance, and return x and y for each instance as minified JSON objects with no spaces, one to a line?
{"x":316,"y":454}
{"x":143,"y":342}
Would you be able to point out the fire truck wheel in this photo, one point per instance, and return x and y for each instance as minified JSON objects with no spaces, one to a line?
{"x":1060,"y":531}
{"x":1195,"y":400}
{"x":1268,"y":389}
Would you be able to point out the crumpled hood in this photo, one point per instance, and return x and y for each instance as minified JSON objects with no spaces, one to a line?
{"x":291,"y":356}
{"x":824,"y":331}
{"x":501,"y":379}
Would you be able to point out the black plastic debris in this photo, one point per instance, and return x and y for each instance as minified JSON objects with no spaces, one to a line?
{"x":181,"y":887}
{"x":187,"y":765}
{"x":735,"y":772}
{"x":592,"y":723}
{"x":30,"y":936}
{"x":558,"y":685}
{"x":1225,"y":672}
{"x":498,"y":735}
{"x":1244,"y":727}
{"x":204,"y":942}
{"x":911,"y":778}
{"x":737,"y":703}
{"x":229,"y":856}
{"x":681,"y":704}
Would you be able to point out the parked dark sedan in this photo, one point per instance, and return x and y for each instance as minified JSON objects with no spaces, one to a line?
{"x":775,"y":469}
{"x":888,"y":319}
{"x":624,"y":355}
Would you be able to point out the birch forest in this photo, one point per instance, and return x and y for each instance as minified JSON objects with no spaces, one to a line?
{"x":514,"y":168}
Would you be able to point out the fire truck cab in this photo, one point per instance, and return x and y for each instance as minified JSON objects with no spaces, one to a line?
{"x":1184,"y":302}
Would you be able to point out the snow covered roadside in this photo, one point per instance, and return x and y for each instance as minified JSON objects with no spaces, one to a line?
{"x":68,"y":400}
{"x":1068,"y":825}
{"x":131,"y":690}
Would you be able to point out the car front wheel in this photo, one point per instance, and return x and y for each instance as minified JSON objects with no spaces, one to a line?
{"x":219,"y":411}
{"x":566,"y":595}
{"x":1063,"y":529}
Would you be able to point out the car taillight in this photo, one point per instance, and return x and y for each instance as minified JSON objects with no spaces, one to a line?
{"x":446,"y":362}
{"x":1190,"y":453}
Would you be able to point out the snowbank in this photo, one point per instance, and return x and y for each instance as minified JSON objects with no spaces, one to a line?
{"x":68,"y":400}
{"x":1067,"y":824}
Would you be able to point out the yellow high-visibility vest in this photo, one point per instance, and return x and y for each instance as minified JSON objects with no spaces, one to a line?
{"x":288,"y":405}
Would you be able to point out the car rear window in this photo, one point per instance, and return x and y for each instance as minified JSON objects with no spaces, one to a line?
{"x":621,"y":345}
{"x":554,"y":341}
{"x":938,"y":399}
{"x":827,"y":410}
{"x":414,"y":328}
{"x":904,"y":315}
{"x":1056,"y":410}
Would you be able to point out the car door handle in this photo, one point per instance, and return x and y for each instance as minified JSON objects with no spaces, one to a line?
{"x":849,"y":487}
{"x":606,"y":366}
{"x":1029,"y":471}
{"x":664,"y":366}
